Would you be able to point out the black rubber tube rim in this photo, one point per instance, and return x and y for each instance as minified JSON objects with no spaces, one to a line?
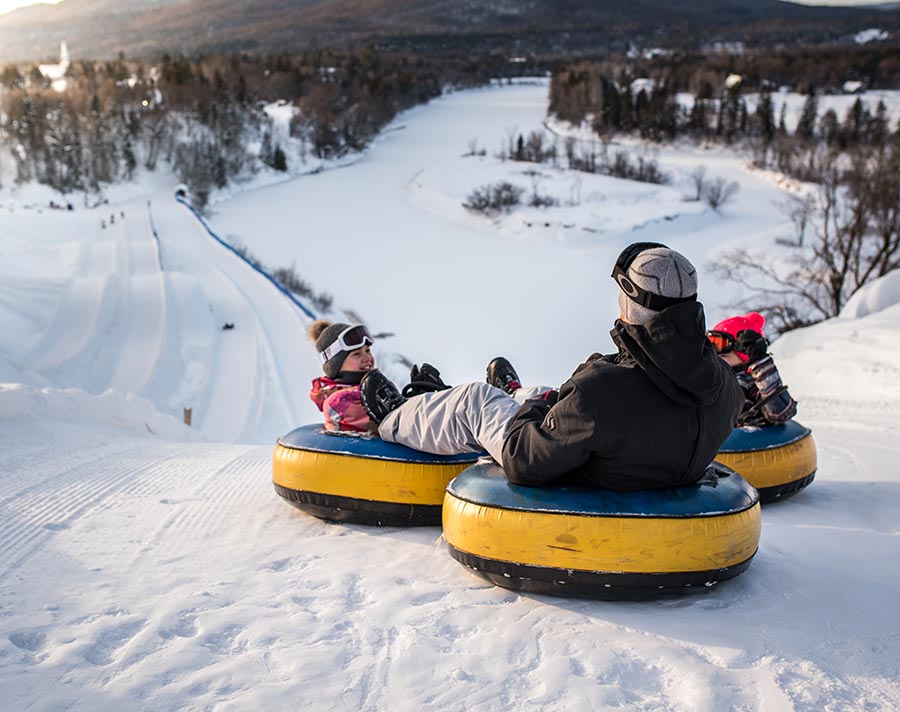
{"x":600,"y":585}
{"x":767,"y":495}
{"x":351,"y":510}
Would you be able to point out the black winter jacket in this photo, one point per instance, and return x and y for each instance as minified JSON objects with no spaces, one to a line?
{"x":654,"y":415}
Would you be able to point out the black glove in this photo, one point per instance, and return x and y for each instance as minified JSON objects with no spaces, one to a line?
{"x":752,"y":344}
{"x":424,"y":380}
{"x":551,"y":397}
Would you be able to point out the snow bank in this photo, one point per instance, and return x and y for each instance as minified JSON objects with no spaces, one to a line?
{"x":852,"y":356}
{"x":24,"y":405}
{"x":141,"y":573}
{"x":882,"y":293}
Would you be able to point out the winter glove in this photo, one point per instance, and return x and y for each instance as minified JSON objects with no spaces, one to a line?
{"x":551,"y":397}
{"x":765,"y":376}
{"x":426,"y":379}
{"x":774,"y":403}
{"x":751,"y":343}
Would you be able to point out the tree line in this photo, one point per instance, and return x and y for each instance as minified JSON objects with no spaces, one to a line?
{"x":655,"y":109}
{"x":204,"y":116}
{"x":844,"y":214}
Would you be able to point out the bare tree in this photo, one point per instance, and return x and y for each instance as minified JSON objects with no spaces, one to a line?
{"x":847,"y":235}
{"x":800,"y":210}
{"x":698,"y":179}
{"x":719,"y":191}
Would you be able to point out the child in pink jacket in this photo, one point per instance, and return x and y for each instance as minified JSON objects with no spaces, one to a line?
{"x":346,"y":352}
{"x":346,"y":357}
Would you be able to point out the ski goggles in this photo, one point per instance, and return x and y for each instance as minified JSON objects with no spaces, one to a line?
{"x":722,"y":342}
{"x":350,"y":339}
{"x":635,"y":292}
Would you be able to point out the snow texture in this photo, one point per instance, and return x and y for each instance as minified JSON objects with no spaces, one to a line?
{"x":150,"y":566}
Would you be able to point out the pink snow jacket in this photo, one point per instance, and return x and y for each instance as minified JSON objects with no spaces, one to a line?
{"x":340,"y":404}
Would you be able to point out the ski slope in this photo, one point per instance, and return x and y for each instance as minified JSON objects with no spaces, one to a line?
{"x":146,"y":565}
{"x":123,"y":320}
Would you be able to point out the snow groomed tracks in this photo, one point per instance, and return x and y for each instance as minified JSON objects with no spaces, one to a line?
{"x":134,"y":300}
{"x":247,"y":387}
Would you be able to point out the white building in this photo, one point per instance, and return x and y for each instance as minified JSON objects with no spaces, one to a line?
{"x":56,"y":73}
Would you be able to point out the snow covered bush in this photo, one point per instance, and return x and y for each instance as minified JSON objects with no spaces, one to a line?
{"x":491,"y":200}
{"x":718,"y":192}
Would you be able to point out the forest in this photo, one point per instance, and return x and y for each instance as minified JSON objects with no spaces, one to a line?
{"x":204,"y":116}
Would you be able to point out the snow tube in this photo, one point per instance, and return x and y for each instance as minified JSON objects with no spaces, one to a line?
{"x":779,"y":460}
{"x":362,"y":480}
{"x":595,"y":543}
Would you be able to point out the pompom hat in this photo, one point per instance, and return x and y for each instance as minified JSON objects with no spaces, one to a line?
{"x":325,"y":333}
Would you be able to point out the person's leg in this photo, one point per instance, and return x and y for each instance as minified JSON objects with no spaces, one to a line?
{"x":525,"y":392}
{"x":468,"y":418}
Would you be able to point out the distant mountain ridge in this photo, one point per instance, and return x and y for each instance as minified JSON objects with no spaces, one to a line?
{"x":102,"y":28}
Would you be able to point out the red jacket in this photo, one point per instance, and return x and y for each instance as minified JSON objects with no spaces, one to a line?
{"x":340,"y":404}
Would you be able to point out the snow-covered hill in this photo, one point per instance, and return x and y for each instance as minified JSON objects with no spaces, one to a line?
{"x":148,"y":565}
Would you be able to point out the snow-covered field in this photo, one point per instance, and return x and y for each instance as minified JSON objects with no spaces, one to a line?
{"x":150,"y":566}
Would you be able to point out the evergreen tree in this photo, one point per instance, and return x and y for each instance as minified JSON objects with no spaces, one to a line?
{"x":854,"y":122}
{"x":627,"y":108}
{"x":828,"y":127}
{"x":877,"y":128}
{"x":279,"y":160}
{"x":807,"y":123}
{"x":698,"y":121}
{"x":765,"y":117}
{"x":129,"y":159}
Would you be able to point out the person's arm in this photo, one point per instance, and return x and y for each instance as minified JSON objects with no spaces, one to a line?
{"x":545,"y":441}
{"x":774,"y":402}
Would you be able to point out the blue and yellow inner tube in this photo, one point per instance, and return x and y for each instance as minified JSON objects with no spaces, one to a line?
{"x":779,"y":460}
{"x":362,"y":480}
{"x":595,"y":543}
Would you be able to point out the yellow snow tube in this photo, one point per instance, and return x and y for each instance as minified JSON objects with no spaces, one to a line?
{"x":362,"y":480}
{"x":779,"y":460}
{"x":596,"y":543}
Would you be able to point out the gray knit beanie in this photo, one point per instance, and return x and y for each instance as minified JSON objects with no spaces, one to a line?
{"x":325,"y":333}
{"x":661,"y":271}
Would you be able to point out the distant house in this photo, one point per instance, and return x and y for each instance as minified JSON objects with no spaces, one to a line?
{"x":733,"y":80}
{"x":643,"y":84}
{"x":56,"y":73}
{"x":853,"y":87}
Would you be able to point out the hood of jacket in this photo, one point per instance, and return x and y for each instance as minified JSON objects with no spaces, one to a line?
{"x":672,"y":349}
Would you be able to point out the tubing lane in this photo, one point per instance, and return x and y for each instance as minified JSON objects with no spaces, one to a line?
{"x":282,"y":323}
{"x":79,"y":315}
{"x":144,"y":310}
{"x":227,"y":386}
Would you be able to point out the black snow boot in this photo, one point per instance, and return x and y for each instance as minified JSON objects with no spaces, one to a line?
{"x":378,"y":395}
{"x":424,"y":380}
{"x":502,"y":375}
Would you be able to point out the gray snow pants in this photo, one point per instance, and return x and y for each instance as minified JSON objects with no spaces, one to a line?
{"x":471,"y":417}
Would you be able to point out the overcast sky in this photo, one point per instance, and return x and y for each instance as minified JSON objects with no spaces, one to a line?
{"x":7,"y":5}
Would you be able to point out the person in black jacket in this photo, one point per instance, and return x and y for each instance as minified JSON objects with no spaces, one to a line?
{"x":652,"y":415}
